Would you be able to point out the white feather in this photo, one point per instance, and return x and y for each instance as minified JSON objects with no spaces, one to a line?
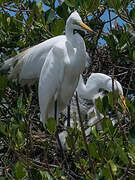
{"x":61,"y":70}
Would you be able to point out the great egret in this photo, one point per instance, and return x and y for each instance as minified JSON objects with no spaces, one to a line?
{"x":27,"y":65}
{"x":96,"y":82}
{"x":90,"y":91}
{"x":62,"y":68}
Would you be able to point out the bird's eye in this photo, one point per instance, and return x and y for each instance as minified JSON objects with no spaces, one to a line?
{"x":75,"y":31}
{"x":82,"y":33}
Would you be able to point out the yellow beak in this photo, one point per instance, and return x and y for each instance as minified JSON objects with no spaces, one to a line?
{"x":123,"y":103}
{"x":84,"y":26}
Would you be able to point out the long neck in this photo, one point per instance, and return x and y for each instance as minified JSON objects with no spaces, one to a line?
{"x":81,"y":88}
{"x":76,"y":40}
{"x":79,"y":48}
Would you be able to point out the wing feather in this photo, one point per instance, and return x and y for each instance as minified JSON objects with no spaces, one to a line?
{"x":50,"y":81}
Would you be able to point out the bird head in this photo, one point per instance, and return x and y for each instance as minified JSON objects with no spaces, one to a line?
{"x":75,"y":22}
{"x":118,"y":87}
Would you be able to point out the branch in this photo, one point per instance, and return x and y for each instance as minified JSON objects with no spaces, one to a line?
{"x":91,"y":165}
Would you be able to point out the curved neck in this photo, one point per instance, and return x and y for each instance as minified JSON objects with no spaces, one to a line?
{"x":79,"y":48}
{"x":76,"y":39}
{"x":94,"y":83}
{"x":81,"y":88}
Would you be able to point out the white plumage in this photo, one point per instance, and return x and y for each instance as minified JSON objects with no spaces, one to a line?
{"x":28,"y":64}
{"x":90,"y":91}
{"x":63,"y":65}
{"x":96,"y":82}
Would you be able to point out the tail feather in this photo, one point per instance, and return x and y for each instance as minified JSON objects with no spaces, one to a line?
{"x":12,"y":61}
{"x":12,"y":65}
{"x":7,"y":64}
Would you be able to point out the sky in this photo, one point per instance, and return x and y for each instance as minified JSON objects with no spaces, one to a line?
{"x":105,"y":17}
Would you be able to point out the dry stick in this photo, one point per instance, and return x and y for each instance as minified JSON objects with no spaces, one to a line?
{"x":8,"y":111}
{"x":124,"y":18}
{"x":9,"y":176}
{"x":91,"y":164}
{"x":48,"y":168}
{"x":113,"y":97}
{"x":120,"y":74}
{"x":110,"y":22}
{"x":131,"y":78}
{"x":27,"y":147}
{"x":35,"y":162}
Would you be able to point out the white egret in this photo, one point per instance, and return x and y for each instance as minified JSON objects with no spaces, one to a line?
{"x":90,"y":91}
{"x":62,"y":68}
{"x":27,"y":65}
{"x":98,"y":81}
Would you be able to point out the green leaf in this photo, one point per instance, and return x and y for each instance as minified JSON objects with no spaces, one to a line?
{"x":116,"y":4}
{"x":20,"y":138}
{"x":40,"y":4}
{"x":105,"y":103}
{"x":106,"y":172}
{"x":3,"y":129}
{"x":123,"y":156}
{"x":45,"y":175}
{"x":35,"y":174}
{"x":20,"y":171}
{"x":132,"y":14}
{"x":94,"y":131}
{"x":70,"y":3}
{"x":113,"y":167}
{"x":57,"y":27}
{"x":93,"y":150}
{"x":123,"y":40}
{"x":107,"y":125}
{"x":50,"y":16}
{"x":20,"y":102}
{"x":92,"y":5}
{"x":62,"y":11}
{"x":132,"y":177}
{"x":132,"y":135}
{"x":99,"y":104}
{"x":3,"y":84}
{"x":110,"y":99}
{"x":51,"y":125}
{"x":8,"y":20}
{"x":2,"y":178}
{"x":134,"y":55}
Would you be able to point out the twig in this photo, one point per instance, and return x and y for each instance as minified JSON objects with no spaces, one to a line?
{"x":27,"y":146}
{"x":91,"y":164}
{"x":48,"y":168}
{"x":110,"y":22}
{"x":130,"y":80}
{"x":121,"y":74}
{"x":113,"y":97}
{"x":9,"y":176}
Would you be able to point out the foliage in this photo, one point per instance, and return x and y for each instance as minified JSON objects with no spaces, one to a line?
{"x":25,"y":151}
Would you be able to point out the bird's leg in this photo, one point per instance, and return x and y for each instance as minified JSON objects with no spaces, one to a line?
{"x":57,"y":134}
{"x":59,"y":142}
{"x":68,"y":115}
{"x":55,"y":110}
